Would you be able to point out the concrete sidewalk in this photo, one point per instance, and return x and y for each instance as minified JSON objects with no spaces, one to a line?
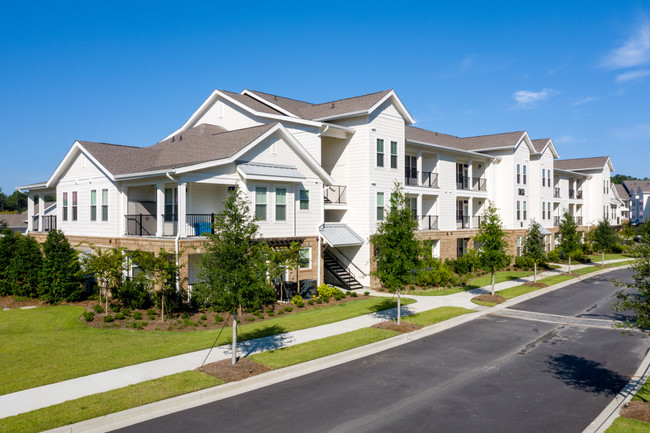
{"x":48,"y":395}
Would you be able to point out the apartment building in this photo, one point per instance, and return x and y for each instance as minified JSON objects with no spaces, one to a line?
{"x":317,"y":174}
{"x":639,"y":192}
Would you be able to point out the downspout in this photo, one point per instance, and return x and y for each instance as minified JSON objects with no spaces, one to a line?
{"x":176,"y":241}
{"x":321,"y":224}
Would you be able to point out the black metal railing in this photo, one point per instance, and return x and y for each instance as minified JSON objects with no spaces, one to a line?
{"x":199,"y":224}
{"x":462,"y":182}
{"x":429,"y":179}
{"x":49,"y":223}
{"x":336,"y":194}
{"x":411,"y":177}
{"x":556,"y":194}
{"x":578,"y":220}
{"x":479,"y":184}
{"x":140,"y":224}
{"x":462,"y":222}
{"x":430,"y":222}
{"x":556,"y":221}
{"x":579,"y":194}
{"x":477,"y":220}
{"x":572,"y":193}
{"x":35,"y":223}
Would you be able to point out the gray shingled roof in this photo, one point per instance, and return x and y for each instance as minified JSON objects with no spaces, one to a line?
{"x":482,"y":142}
{"x":251,"y":102}
{"x":621,"y":191}
{"x":633,"y":185}
{"x":540,"y":144}
{"x":581,"y":163}
{"x":324,"y":110}
{"x":202,"y":143}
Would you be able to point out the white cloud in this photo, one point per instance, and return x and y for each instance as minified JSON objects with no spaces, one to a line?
{"x":568,"y":139}
{"x":634,"y":52}
{"x":527,"y":99}
{"x":586,"y":100}
{"x":632,"y":75}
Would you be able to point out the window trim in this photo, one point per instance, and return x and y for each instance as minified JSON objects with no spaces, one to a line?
{"x":259,"y":205}
{"x":518,"y":175}
{"x":105,"y":204}
{"x":304,"y":202}
{"x":93,"y":205}
{"x":380,"y":153}
{"x":309,"y":263}
{"x":75,"y":205}
{"x":65,"y":206}
{"x":382,"y":207}
{"x":281,"y":205}
{"x":393,"y":155}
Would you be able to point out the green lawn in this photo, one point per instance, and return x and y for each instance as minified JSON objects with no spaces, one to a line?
{"x":626,"y":425}
{"x":93,"y":406}
{"x":598,"y":258}
{"x":54,"y":336}
{"x":439,"y":291}
{"x":319,"y":348}
{"x":499,"y":277}
{"x":484,"y":303}
{"x":436,"y":315}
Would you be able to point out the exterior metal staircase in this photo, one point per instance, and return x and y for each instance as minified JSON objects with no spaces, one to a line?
{"x":338,"y":272}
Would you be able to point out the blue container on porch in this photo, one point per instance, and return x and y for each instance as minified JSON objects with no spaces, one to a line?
{"x":202,"y":228}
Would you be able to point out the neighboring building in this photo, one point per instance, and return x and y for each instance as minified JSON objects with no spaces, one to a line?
{"x":621,"y":199}
{"x":19,"y":222}
{"x":318,"y":174}
{"x":639,"y":191}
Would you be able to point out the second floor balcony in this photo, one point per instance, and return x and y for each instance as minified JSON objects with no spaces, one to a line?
{"x":462,"y":222}
{"x":556,"y":192}
{"x":430,"y":222}
{"x":477,"y":183}
{"x":556,"y":221}
{"x":146,"y":224}
{"x":572,"y":193}
{"x":335,"y":194}
{"x":428,"y":179}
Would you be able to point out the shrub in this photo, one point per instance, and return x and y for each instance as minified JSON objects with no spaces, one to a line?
{"x":151,"y":312}
{"x":134,"y":295}
{"x":319,"y":300}
{"x":137,"y":315}
{"x":353,"y":294}
{"x":325,"y":291}
{"x":98,"y":308}
{"x":119,"y":316}
{"x":271,"y":314}
{"x":251,"y":319}
{"x":89,"y":316}
{"x":280,"y":311}
{"x":108,"y":318}
{"x":8,"y":240}
{"x":296,"y":299}
{"x":185,"y":316}
{"x":366,"y":293}
{"x":338,"y":294}
{"x":435,"y":273}
{"x":204,"y":317}
{"x":269,"y":310}
{"x":553,"y":256}
{"x":174,"y":301}
{"x":288,"y":308}
{"x":325,"y":298}
{"x":126,"y":312}
{"x":25,"y":267}
{"x":218,"y":319}
{"x":310,"y":302}
{"x":577,"y":255}
{"x":347,"y":293}
{"x":300,"y":304}
{"x":114,"y":308}
{"x":524,"y":262}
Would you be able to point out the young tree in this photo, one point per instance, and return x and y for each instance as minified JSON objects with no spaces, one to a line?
{"x":61,"y":277}
{"x":492,"y":242}
{"x":569,"y":236}
{"x":397,"y":249}
{"x":281,"y":259}
{"x":534,"y":245}
{"x":604,"y":238}
{"x":25,"y":267}
{"x":159,"y":272}
{"x":108,"y":266}
{"x":233,"y":269}
{"x":8,"y":240}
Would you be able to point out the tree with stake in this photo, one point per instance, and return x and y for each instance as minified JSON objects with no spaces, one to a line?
{"x":492,"y":242}
{"x":158,"y":272}
{"x":107,"y":266}
{"x":534,"y":245}
{"x":604,"y":238}
{"x":569,"y":237}
{"x":397,"y":249}
{"x":233,"y":269}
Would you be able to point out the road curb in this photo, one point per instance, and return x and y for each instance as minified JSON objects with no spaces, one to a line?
{"x":187,"y":401}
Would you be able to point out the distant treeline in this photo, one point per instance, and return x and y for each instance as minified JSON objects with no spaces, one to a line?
{"x":619,"y":178}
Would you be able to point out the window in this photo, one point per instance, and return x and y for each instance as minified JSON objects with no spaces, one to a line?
{"x":543,"y":177}
{"x":518,"y":246}
{"x":435,"y":249}
{"x":74,"y":205}
{"x":380,"y":152}
{"x":305,"y":258}
{"x":548,"y":207}
{"x":380,"y":206}
{"x":524,"y":175}
{"x":93,"y":205}
{"x":304,"y":199}
{"x":410,"y":165}
{"x":260,"y":203}
{"x":461,"y":247}
{"x":280,"y":204}
{"x":171,"y":202}
{"x":65,"y":206}
{"x":104,"y":205}
{"x":524,"y":210}
{"x":518,"y":175}
{"x":518,"y":210}
{"x":548,"y":175}
{"x":604,"y":187}
{"x":393,"y":154}
{"x":543,"y":210}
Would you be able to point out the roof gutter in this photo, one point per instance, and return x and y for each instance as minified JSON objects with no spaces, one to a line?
{"x":451,"y":149}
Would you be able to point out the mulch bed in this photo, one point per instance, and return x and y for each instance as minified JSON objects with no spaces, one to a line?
{"x":497,"y":299}
{"x":403,"y":327}
{"x":228,"y":372}
{"x":531,"y":284}
{"x":637,"y":410}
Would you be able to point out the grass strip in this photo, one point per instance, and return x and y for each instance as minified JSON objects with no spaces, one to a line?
{"x":55,"y":334}
{"x":439,"y":291}
{"x":105,"y":403}
{"x":627,"y":425}
{"x":483,"y":303}
{"x":598,"y":258}
{"x":304,"y":352}
{"x":436,"y":315}
{"x":499,"y":277}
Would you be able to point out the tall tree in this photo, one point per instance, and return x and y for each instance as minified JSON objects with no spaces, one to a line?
{"x":534,"y":245}
{"x":397,"y":249}
{"x":569,"y":236}
{"x":108,"y":266}
{"x":61,"y":278}
{"x":8,"y":240}
{"x":492,"y":243}
{"x":233,"y":269}
{"x":604,"y":238}
{"x":25,"y":267}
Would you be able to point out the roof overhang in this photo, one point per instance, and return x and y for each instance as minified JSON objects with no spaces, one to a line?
{"x":340,"y":235}
{"x":75,"y":150}
{"x":570,"y":173}
{"x":398,"y":105}
{"x":453,"y":150}
{"x":270,"y":172}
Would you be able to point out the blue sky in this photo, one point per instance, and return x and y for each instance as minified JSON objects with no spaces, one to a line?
{"x":132,"y":72}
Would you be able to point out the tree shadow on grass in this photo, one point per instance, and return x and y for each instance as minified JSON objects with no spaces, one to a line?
{"x":387,"y":309}
{"x":262,"y":339}
{"x":585,"y":375}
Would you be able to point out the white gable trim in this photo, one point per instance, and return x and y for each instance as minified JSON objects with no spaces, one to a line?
{"x":76,"y":149}
{"x":266,"y":102}
{"x":398,"y":104}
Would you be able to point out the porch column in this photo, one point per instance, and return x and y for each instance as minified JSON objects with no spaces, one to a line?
{"x":124,"y":205}
{"x":182,"y":208}
{"x":160,"y":208}
{"x":419,"y":211}
{"x":470,"y":209}
{"x":419,"y":169}
{"x":470,"y":181}
{"x":41,"y":211}
{"x":30,"y":213}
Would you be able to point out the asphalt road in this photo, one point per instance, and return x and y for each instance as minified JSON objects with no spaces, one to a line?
{"x":493,"y":374}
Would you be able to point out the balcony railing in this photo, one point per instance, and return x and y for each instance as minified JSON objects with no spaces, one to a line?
{"x":462,"y":182}
{"x":430,"y":222}
{"x":572,"y":193}
{"x":479,"y":184}
{"x":556,"y":194}
{"x":429,"y":179}
{"x":411,"y":177}
{"x":49,"y":223}
{"x":476,"y":221}
{"x":199,"y":224}
{"x":462,"y":222}
{"x":579,"y":194}
{"x":140,"y":224}
{"x":556,"y":221}
{"x":578,"y":220}
{"x":336,"y":194}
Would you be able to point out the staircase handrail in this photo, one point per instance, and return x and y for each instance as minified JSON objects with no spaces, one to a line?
{"x":349,"y":261}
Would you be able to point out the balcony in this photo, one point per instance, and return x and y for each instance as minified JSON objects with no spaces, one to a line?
{"x":411,"y":177}
{"x":146,"y":224}
{"x":140,"y":225}
{"x":556,"y":193}
{"x":429,"y":179}
{"x":479,"y":184}
{"x":462,"y":222}
{"x":578,"y":220}
{"x":462,"y":182}
{"x":572,"y":193}
{"x":477,"y":221}
{"x":579,"y":194}
{"x":556,"y":221}
{"x":430,"y":222}
{"x":336,"y":194}
{"x":49,"y":223}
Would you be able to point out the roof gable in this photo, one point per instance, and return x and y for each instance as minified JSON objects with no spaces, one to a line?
{"x":582,"y":164}
{"x":545,"y":144}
